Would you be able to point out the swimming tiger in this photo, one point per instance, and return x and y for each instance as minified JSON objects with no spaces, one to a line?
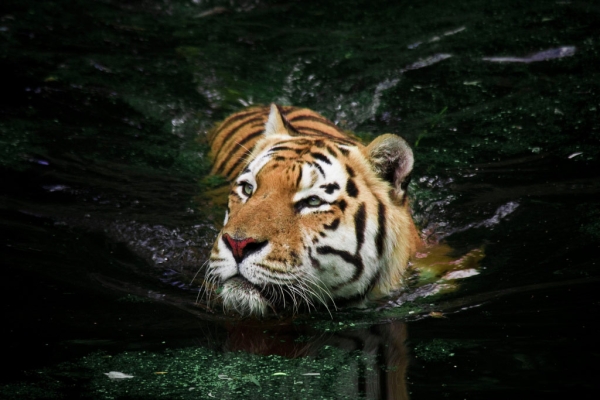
{"x":313,"y":216}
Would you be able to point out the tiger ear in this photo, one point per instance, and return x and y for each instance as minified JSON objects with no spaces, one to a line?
{"x":392,"y":159}
{"x":277,"y":124}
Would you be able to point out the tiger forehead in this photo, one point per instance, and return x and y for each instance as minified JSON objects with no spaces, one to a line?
{"x":303,"y":146}
{"x":294,"y":160}
{"x":306,"y":151}
{"x":280,"y":175}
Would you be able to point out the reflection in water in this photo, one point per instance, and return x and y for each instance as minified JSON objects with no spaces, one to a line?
{"x":375,"y":358}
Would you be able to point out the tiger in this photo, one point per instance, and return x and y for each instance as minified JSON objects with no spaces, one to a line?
{"x":314,"y":218}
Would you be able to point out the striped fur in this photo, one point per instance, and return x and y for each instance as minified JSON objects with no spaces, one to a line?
{"x":314,"y":217}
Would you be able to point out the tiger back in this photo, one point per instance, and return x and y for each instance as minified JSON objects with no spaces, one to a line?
{"x":313,"y":218}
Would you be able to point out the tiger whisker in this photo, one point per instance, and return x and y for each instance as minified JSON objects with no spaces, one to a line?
{"x":292,"y":293}
{"x":199,"y":269}
{"x":282,"y":295}
{"x":212,"y":281}
{"x":314,"y":280}
{"x":194,"y":278}
{"x":246,"y":155}
{"x":310,"y":290}
{"x":302,"y":293}
{"x":204,"y":292}
{"x":303,"y":290}
{"x":248,"y":151}
{"x":207,"y":288}
{"x":317,"y":296}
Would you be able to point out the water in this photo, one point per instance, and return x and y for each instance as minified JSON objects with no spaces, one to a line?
{"x":107,"y":212}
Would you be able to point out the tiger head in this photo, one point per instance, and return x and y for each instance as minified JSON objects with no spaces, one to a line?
{"x":314,"y":220}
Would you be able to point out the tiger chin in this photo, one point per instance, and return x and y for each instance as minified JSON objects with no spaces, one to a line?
{"x":314,"y":219}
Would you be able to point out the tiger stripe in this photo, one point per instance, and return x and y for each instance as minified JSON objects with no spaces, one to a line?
{"x":238,"y":147}
{"x":319,"y":168}
{"x":379,"y":239}
{"x":351,"y":188}
{"x":354,"y":259}
{"x":321,"y":157}
{"x":221,"y":130}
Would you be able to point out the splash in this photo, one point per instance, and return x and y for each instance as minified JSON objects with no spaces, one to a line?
{"x":551,"y":54}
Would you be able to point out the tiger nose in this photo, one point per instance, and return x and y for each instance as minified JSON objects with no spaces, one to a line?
{"x":241,"y":248}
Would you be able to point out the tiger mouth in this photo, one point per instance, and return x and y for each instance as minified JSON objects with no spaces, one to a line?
{"x":268,"y":296}
{"x":240,"y":282}
{"x":240,"y":294}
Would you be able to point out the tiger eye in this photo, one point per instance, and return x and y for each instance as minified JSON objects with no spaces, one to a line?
{"x":313,"y":201}
{"x":247,"y":188}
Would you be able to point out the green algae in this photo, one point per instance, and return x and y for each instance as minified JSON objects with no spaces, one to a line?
{"x":188,"y":373}
{"x":437,"y":349}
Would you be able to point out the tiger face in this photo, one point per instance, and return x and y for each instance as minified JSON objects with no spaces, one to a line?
{"x":313,"y":220}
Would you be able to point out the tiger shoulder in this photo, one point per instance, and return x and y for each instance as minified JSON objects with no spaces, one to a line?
{"x":314,"y":217}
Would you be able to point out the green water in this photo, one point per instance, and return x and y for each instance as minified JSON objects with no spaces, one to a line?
{"x":105,"y":220}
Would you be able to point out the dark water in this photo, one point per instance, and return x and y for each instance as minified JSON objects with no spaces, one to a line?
{"x":105,"y":217}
